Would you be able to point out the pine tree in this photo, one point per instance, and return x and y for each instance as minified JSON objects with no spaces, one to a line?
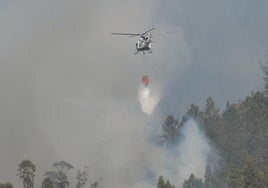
{"x":210,"y":118}
{"x":161,"y":182}
{"x":252,"y":177}
{"x":209,"y":179}
{"x":193,"y":112}
{"x":170,"y":130}
{"x":235,"y":177}
{"x":211,"y":110}
{"x":193,"y":182}
{"x":168,"y":185}
{"x":265,"y":70}
{"x":265,"y":173}
{"x":230,"y":112}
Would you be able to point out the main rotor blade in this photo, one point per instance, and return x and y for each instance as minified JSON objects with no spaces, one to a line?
{"x":134,"y":34}
{"x":153,"y":28}
{"x":171,"y":32}
{"x":129,"y":34}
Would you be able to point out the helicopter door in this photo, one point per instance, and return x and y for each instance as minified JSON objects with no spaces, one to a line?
{"x":138,"y":45}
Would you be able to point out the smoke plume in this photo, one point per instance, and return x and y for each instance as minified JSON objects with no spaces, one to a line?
{"x":191,"y":156}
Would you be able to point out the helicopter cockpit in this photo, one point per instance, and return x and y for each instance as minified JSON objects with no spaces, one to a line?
{"x":144,"y":37}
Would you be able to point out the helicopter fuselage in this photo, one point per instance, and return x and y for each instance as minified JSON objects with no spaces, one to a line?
{"x":143,"y":44}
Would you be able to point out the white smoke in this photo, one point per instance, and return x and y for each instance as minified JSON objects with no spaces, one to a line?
{"x":148,"y":99}
{"x":191,"y":156}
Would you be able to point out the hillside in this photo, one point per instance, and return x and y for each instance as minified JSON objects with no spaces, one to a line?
{"x":239,"y":133}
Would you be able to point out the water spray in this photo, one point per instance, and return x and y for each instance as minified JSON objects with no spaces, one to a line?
{"x":148,"y":99}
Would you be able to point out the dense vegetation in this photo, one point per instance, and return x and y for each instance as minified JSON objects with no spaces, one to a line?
{"x":240,"y":134}
{"x":56,"y":178}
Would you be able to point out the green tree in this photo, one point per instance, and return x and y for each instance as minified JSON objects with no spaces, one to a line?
{"x":47,"y":183}
{"x":96,"y":183}
{"x":252,"y":176}
{"x":62,"y":180}
{"x":161,"y":182}
{"x":265,"y":173}
{"x":211,"y":110}
{"x":230,"y":112}
{"x":170,"y":130}
{"x":210,"y":118}
{"x":26,"y":173}
{"x":193,"y":112}
{"x":235,"y":177}
{"x":168,"y":185}
{"x":209,"y":179}
{"x":81,"y":178}
{"x":193,"y":182}
{"x":62,"y":169}
{"x":265,"y":70}
{"x":6,"y":185}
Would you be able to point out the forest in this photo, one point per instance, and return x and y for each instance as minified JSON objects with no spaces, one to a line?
{"x":239,"y":133}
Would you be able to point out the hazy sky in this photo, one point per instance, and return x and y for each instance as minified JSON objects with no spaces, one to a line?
{"x":68,"y":88}
{"x":226,"y":42}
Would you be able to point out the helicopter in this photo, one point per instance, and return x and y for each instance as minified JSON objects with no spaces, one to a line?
{"x":144,"y":43}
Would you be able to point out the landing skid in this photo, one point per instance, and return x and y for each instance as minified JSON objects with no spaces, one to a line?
{"x":148,"y":51}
